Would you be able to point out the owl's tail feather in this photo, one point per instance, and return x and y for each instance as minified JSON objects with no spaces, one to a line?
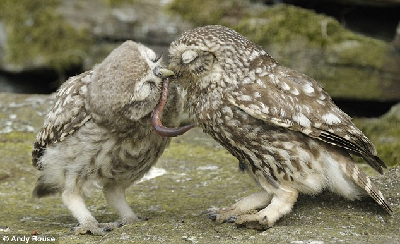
{"x":43,"y":189}
{"x":362,"y":180}
{"x":375,"y":162}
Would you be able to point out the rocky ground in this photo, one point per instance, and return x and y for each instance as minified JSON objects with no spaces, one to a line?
{"x":193,"y":175}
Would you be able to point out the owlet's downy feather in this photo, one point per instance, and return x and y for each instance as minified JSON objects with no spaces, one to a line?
{"x":280,"y":124}
{"x":98,"y":133}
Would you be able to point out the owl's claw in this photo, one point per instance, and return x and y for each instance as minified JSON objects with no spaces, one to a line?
{"x":231,"y":219}
{"x":215,"y":215}
{"x":212,"y":216}
{"x":211,"y":213}
{"x":250,"y":220}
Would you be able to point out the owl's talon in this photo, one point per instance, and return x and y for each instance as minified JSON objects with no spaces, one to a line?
{"x":213,"y":216}
{"x":212,"y":213}
{"x":120,"y":224}
{"x":231,"y":219}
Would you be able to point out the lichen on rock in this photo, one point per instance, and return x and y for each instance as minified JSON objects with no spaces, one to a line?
{"x":38,"y":37}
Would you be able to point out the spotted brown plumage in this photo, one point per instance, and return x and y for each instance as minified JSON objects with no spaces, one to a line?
{"x":281,"y":125}
{"x":98,"y":133}
{"x":66,"y":116}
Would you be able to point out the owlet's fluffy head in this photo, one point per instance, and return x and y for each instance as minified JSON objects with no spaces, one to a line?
{"x":126,"y":85}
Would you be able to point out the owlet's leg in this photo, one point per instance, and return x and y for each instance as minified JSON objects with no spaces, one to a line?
{"x":115,"y":196}
{"x":72,"y":198}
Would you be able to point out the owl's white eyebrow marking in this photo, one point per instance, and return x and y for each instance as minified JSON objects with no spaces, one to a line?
{"x":188,"y":56}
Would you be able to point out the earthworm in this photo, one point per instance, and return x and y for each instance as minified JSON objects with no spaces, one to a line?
{"x":155,"y":118}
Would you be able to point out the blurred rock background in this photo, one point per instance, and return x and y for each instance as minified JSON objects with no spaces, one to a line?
{"x":351,"y":47}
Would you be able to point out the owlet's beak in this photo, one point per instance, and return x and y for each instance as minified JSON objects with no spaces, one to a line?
{"x":163,"y":72}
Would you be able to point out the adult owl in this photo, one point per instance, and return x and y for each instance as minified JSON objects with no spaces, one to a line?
{"x":280,"y":124}
{"x":98,"y":133}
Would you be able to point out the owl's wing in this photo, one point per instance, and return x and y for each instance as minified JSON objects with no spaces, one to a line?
{"x":66,"y":116}
{"x":295,"y":101}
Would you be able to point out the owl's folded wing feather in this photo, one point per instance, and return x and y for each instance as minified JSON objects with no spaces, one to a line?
{"x":294,"y":101}
{"x":67,"y":114}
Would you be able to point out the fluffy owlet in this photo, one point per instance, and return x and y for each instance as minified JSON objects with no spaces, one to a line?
{"x":98,"y":133}
{"x":280,"y":124}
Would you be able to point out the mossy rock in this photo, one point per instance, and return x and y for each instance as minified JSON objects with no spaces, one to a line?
{"x":38,"y":37}
{"x":385,"y":133}
{"x":346,"y":64}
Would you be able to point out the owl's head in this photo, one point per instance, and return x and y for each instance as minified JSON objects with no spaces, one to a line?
{"x":205,"y":53}
{"x":127,"y":84}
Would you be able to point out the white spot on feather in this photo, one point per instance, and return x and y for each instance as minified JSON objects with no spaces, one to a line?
{"x":246,"y":98}
{"x":264,"y":109}
{"x":285,"y":86}
{"x":302,"y":120}
{"x":260,"y":83}
{"x":331,"y":119}
{"x":295,"y":91}
{"x":308,"y":88}
{"x":283,"y":113}
{"x":227,"y":111}
{"x":83,"y":89}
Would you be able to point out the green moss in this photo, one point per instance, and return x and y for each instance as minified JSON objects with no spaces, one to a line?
{"x":37,"y":34}
{"x":284,"y":24}
{"x":12,"y":144}
{"x":116,"y":3}
{"x":15,"y":148}
{"x":210,"y":12}
{"x":344,"y":82}
{"x":385,"y":134}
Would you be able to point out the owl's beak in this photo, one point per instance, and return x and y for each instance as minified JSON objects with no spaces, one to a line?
{"x":165,"y":73}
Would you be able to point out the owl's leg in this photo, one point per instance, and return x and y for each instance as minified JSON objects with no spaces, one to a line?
{"x":247,"y":205}
{"x":87,"y":223}
{"x":281,"y":204}
{"x":115,"y":196}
